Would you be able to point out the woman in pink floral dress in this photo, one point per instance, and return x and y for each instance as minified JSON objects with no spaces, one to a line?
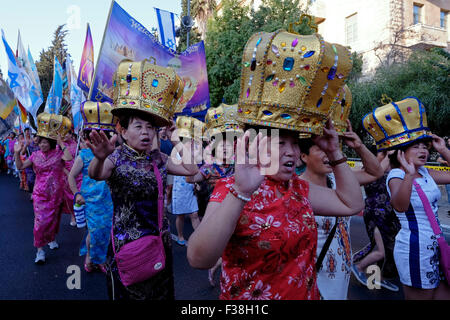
{"x":262,"y":224}
{"x":48,"y":164}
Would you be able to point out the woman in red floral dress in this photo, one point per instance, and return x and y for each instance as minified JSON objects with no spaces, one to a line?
{"x":263,"y":225}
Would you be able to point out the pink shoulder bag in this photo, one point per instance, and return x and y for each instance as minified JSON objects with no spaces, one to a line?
{"x":443,"y":246}
{"x":143,"y":258}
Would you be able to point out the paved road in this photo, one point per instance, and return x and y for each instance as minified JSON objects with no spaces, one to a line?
{"x":22,"y":279}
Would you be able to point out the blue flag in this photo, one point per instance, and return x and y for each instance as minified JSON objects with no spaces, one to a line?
{"x":54,"y":98}
{"x":166,"y":28}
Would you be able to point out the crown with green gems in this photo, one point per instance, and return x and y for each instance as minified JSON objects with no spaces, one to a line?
{"x":147,"y":87}
{"x":291,"y":81}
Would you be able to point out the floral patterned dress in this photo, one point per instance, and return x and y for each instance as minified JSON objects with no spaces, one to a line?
{"x":272,"y":253}
{"x":99,"y":210}
{"x":134,"y":192}
{"x":47,"y":195}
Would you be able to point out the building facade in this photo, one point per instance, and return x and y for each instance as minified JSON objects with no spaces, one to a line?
{"x":383,"y":31}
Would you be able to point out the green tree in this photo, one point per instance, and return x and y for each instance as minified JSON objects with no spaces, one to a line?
{"x":45,"y":63}
{"x":424,"y":75}
{"x":228,"y":33}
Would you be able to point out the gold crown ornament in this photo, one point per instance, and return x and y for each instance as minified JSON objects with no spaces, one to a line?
{"x":290,"y":81}
{"x":397,"y":123}
{"x":223,"y":119}
{"x":341,"y":110}
{"x":98,"y":116}
{"x":147,"y":87}
{"x":52,"y":125}
{"x":191,"y":128}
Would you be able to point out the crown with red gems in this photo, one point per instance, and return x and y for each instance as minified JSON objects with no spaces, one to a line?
{"x":147,"y":87}
{"x":291,"y":81}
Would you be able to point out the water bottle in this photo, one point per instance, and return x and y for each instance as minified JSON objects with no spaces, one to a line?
{"x":79,"y":215}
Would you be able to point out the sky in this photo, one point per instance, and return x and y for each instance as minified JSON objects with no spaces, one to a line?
{"x":38,"y":20}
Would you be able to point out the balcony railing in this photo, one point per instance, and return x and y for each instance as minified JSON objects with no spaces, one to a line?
{"x":424,"y":36}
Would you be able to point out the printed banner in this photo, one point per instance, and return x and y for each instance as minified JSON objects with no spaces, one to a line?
{"x":55,"y":94}
{"x":7,"y":100}
{"x":126,"y":38}
{"x":86,"y":71}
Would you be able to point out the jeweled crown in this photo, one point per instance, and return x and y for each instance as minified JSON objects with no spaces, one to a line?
{"x":52,"y":125}
{"x":223,"y":119}
{"x":290,"y":81}
{"x":397,"y":123}
{"x":147,"y":87}
{"x":341,"y":110}
{"x":189,"y":127}
{"x":98,"y":116}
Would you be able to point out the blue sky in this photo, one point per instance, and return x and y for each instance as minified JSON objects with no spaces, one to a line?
{"x":37,"y":21}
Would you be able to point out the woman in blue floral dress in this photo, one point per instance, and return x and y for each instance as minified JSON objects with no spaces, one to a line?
{"x":98,"y":208}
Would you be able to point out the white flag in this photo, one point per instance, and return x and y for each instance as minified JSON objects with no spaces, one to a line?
{"x":166,"y":28}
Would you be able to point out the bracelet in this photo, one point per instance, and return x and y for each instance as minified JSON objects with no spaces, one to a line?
{"x":335,"y":163}
{"x":237,"y":195}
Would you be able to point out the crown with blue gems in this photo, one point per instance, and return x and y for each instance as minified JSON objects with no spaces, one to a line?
{"x":190,"y":127}
{"x":291,"y":81}
{"x":147,"y":87}
{"x":223,"y":119}
{"x":341,"y":110}
{"x":397,"y":123}
{"x":98,"y":116}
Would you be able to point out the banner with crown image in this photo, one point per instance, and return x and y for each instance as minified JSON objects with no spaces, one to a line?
{"x":126,"y":38}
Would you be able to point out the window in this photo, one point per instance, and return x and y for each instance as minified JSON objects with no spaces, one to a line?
{"x":417,"y":14}
{"x":351,"y":29}
{"x":443,"y":19}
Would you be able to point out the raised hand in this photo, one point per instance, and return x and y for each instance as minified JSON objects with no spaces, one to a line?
{"x":408,"y":167}
{"x":329,"y":141}
{"x":351,"y":138}
{"x":79,"y":199}
{"x":249,"y":170}
{"x":18,"y":146}
{"x":100,"y":145}
{"x":438,"y":144}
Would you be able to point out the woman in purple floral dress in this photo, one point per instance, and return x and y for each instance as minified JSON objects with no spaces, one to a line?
{"x":382,"y":226}
{"x":128,"y":171}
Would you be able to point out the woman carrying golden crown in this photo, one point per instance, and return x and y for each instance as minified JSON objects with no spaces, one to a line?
{"x":402,"y":126}
{"x":261,"y":220}
{"x":48,"y":164}
{"x":145,"y":96}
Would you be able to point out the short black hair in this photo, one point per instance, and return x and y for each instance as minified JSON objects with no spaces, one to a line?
{"x":50,"y":141}
{"x":393,"y":157}
{"x":26,"y":129}
{"x":305,"y":145}
{"x":126,"y":117}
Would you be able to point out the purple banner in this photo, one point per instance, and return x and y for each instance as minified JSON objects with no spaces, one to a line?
{"x":126,"y":38}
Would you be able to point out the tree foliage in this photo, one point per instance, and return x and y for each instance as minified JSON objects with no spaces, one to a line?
{"x":45,"y":64}
{"x":424,"y":75}
{"x":228,"y":33}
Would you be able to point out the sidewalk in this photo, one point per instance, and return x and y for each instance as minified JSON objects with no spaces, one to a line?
{"x":444,"y":208}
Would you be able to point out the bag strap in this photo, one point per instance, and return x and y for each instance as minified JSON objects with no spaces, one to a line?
{"x":426,"y":204}
{"x":325,"y":247}
{"x":160,"y":205}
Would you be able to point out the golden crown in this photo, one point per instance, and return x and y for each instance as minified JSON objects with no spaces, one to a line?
{"x":52,"y":125}
{"x":189,"y":127}
{"x":223,"y":119}
{"x":341,"y":110}
{"x":98,"y":116}
{"x":290,"y":81}
{"x":147,"y":87}
{"x":397,"y":123}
